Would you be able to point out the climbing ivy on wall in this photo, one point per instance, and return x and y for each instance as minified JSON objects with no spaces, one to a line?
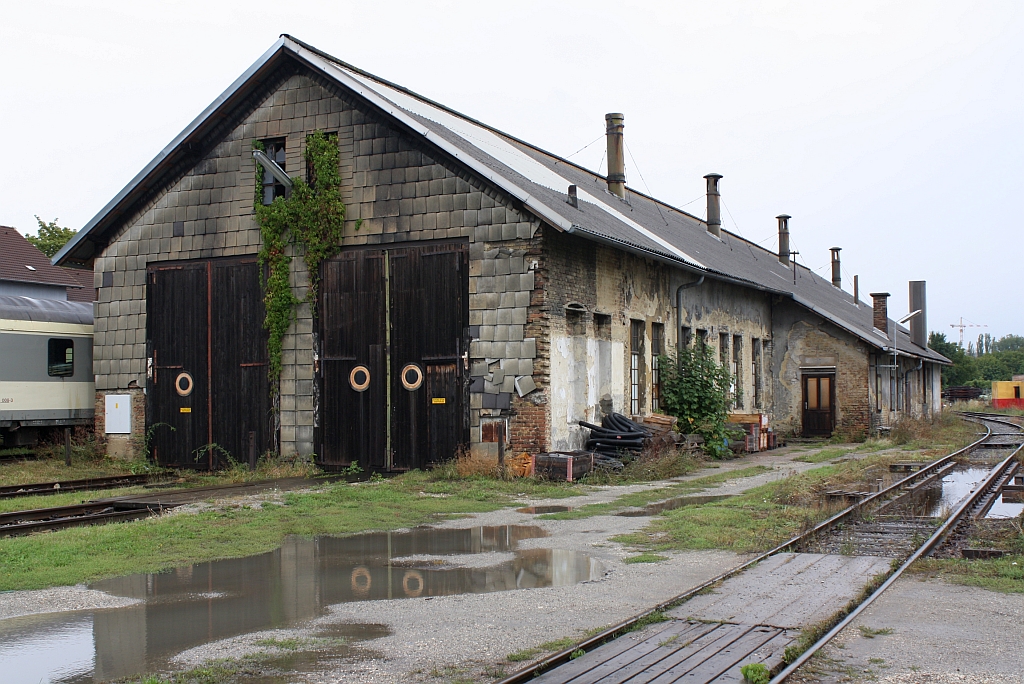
{"x":312,"y":217}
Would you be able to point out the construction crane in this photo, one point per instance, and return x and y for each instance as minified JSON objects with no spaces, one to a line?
{"x":963,"y":325}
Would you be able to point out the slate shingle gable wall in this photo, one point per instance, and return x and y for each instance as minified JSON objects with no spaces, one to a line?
{"x":396,"y":188}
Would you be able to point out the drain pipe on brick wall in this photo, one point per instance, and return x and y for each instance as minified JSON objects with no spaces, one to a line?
{"x":679,"y":309}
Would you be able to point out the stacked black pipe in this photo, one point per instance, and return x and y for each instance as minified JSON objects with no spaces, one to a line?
{"x":616,"y":436}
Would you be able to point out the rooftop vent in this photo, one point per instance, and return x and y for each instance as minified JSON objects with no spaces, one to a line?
{"x":714,"y":205}
{"x":784,"y":238}
{"x":880,"y":311}
{"x":616,"y":160}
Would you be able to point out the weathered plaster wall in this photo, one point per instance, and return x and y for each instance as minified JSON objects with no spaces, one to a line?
{"x":724,"y":308}
{"x":802,"y":340}
{"x":920,"y":391}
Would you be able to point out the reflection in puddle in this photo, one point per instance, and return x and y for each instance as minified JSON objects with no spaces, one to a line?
{"x":1008,"y":505}
{"x":199,"y":604}
{"x":672,"y":504}
{"x":541,"y":510}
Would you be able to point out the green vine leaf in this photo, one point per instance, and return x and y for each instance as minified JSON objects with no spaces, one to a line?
{"x":313,"y":216}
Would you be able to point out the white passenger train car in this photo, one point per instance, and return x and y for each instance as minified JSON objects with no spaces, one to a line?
{"x":46,"y":375}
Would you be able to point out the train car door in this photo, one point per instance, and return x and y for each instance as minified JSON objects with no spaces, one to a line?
{"x":396,"y":319}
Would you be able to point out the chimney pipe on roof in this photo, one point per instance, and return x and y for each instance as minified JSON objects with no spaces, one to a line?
{"x":616,"y":158}
{"x":714,"y":205}
{"x":856,"y":290}
{"x":919,"y":323}
{"x":784,"y":238}
{"x":837,"y":277}
{"x":879,"y":311}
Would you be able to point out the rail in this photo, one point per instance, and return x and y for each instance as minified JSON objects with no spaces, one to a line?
{"x":851,"y":511}
{"x":930,"y":545}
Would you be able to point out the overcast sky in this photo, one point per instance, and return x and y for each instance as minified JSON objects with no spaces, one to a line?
{"x":890,"y":129}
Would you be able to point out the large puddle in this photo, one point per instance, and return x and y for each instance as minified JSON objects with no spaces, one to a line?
{"x":941,"y":499}
{"x":202,"y":603}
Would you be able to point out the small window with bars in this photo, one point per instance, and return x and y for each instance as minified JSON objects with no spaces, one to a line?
{"x":657,"y":349}
{"x":755,"y":371}
{"x":636,"y":364}
{"x":737,"y":369}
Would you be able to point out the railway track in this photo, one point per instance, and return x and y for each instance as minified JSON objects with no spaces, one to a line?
{"x":60,"y":487}
{"x":133,"y":506}
{"x":874,"y":525}
{"x":61,"y":517}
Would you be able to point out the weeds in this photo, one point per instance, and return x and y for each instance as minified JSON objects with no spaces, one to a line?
{"x":651,"y":618}
{"x":824,"y":455}
{"x":755,"y":673}
{"x":869,"y":633}
{"x":645,"y":558}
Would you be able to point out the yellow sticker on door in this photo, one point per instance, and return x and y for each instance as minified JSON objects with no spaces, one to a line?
{"x":437,"y":400}
{"x":186,"y":409}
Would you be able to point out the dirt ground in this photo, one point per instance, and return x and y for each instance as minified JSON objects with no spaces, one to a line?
{"x":927,"y":630}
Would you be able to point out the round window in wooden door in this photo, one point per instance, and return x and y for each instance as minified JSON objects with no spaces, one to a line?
{"x":359,"y":378}
{"x":412,"y":377}
{"x":183,"y":384}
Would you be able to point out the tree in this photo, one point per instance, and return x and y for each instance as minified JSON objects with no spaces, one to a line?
{"x":1008,"y":343}
{"x":51,"y":237}
{"x":695,"y":389}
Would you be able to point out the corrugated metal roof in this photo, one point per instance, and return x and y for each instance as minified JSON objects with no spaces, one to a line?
{"x":22,"y":262}
{"x":540,"y":181}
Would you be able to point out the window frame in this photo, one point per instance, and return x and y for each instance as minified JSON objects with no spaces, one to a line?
{"x":55,"y":369}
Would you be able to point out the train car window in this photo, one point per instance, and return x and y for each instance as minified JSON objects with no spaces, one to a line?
{"x":60,"y":358}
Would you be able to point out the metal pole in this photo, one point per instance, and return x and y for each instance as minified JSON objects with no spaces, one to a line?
{"x":67,"y":447}
{"x":501,"y":448}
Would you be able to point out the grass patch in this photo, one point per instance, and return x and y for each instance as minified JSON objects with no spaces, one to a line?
{"x":646,"y":557}
{"x":869,"y":633}
{"x":641,"y":499}
{"x":758,"y":519}
{"x":824,"y":455}
{"x":23,"y":503}
{"x":86,"y":554}
{"x":1004,"y":575}
{"x":546,"y":647}
{"x":648,"y":620}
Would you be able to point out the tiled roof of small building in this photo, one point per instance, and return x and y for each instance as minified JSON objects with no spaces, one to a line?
{"x":22,"y":262}
{"x":84,"y":277}
{"x":540,"y":180}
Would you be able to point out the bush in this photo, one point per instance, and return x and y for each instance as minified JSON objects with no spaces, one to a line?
{"x":695,"y":389}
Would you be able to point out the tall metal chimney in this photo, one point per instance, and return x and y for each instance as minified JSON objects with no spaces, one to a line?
{"x":714,"y":205}
{"x":856,"y":290}
{"x":616,"y":158}
{"x":837,"y":277}
{"x":919,"y":323}
{"x":880,"y":311}
{"x":784,"y":238}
